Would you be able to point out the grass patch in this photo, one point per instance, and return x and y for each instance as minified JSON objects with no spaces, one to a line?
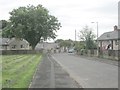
{"x":18,"y":70}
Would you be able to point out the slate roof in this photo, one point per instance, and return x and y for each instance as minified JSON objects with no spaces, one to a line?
{"x":7,"y":41}
{"x":13,"y":39}
{"x":113,"y":35}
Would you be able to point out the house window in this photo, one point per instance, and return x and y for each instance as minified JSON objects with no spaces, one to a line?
{"x":21,"y":46}
{"x":14,"y":46}
{"x":116,"y":42}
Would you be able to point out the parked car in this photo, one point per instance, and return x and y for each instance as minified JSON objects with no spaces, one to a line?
{"x":71,"y":51}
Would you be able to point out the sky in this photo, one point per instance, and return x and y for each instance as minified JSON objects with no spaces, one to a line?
{"x":72,"y":14}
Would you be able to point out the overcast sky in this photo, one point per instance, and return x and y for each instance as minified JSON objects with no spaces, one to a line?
{"x":73,"y":14}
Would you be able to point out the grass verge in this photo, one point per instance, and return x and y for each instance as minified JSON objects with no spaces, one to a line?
{"x":18,"y":70}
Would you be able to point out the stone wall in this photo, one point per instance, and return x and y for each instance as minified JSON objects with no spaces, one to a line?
{"x":109,"y":54}
{"x":13,"y":52}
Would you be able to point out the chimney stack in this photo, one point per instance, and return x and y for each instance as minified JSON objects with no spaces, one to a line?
{"x":115,"y":28}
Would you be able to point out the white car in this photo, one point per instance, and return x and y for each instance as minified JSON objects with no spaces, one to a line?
{"x":71,"y":51}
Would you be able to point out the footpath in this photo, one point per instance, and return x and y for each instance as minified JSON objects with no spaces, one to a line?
{"x":103,"y":60}
{"x":50,"y":74}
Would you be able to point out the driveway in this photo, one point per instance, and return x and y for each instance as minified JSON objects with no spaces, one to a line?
{"x":89,"y":73}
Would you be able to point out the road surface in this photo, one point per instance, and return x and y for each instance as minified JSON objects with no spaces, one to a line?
{"x":89,"y":73}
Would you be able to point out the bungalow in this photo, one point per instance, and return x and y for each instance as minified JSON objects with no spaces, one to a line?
{"x":110,"y":40}
{"x":13,"y":44}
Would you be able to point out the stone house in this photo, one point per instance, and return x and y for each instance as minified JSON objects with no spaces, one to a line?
{"x":110,"y":40}
{"x":46,"y":45}
{"x":13,"y":44}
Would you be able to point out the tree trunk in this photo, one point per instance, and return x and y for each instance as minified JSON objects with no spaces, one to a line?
{"x":33,"y":47}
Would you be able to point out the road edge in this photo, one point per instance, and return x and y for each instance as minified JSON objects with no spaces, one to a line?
{"x":73,"y":76}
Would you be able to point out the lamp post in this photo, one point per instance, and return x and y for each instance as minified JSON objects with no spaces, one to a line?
{"x":97,"y":38}
{"x":75,"y":34}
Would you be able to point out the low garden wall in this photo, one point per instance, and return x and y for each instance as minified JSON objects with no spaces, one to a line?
{"x":109,"y":54}
{"x":12,"y":52}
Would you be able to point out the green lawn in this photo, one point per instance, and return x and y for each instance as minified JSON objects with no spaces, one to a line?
{"x":18,"y":70}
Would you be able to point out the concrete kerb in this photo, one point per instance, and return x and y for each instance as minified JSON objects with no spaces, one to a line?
{"x":72,"y":75}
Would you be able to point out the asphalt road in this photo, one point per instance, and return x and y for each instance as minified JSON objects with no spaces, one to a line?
{"x":89,"y":73}
{"x":50,"y":74}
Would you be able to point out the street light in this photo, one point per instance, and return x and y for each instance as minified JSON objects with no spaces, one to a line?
{"x":75,"y":34}
{"x":97,"y":27}
{"x":97,"y":37}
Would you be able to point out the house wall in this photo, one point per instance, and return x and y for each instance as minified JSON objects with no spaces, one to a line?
{"x":39,"y":46}
{"x":104,"y":44}
{"x":3,"y":47}
{"x":107,"y":42}
{"x":46,"y":46}
{"x":18,"y":45}
{"x":50,"y":46}
{"x":116,"y":45}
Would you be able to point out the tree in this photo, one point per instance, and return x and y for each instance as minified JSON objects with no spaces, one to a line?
{"x":64,"y":43}
{"x":88,"y":37}
{"x":3,"y":24}
{"x":32,"y":23}
{"x":59,"y":41}
{"x":78,"y":45}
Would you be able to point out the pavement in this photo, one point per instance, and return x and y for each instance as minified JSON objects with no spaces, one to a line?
{"x":50,"y":74}
{"x":87,"y":72}
{"x":102,"y":60}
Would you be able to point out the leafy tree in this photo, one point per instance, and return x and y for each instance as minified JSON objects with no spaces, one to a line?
{"x":64,"y":43}
{"x":69,"y":43}
{"x":32,"y":23}
{"x":79,"y":45}
{"x":3,"y":24}
{"x":88,"y":37}
{"x":59,"y":41}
